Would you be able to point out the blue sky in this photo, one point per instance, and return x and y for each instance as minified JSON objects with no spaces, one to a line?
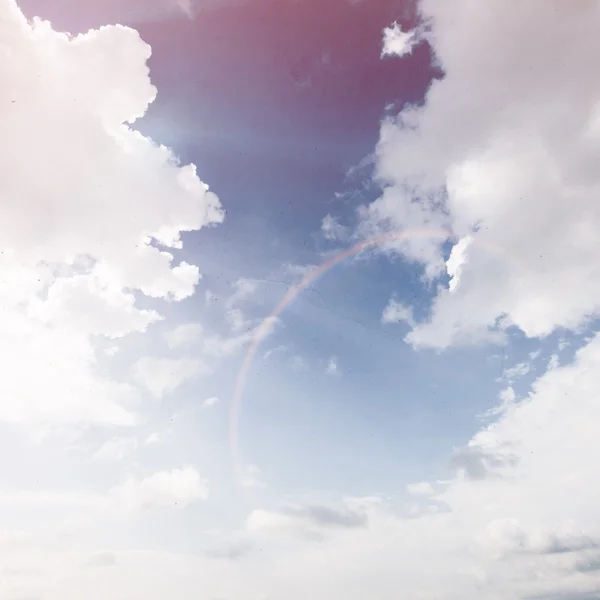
{"x":309,"y":114}
{"x":421,"y":416}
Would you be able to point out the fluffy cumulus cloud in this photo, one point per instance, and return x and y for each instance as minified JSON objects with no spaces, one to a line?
{"x":92,"y":217}
{"x":395,"y":312}
{"x":170,"y":489}
{"x":516,"y":520}
{"x":91,"y":209}
{"x":397,"y":42}
{"x":502,"y":155}
{"x":332,"y":229}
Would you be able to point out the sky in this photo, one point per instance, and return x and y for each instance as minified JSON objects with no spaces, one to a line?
{"x":299,"y":299}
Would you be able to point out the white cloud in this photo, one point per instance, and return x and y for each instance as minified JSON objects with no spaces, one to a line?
{"x":310,"y":521}
{"x":76,"y":237}
{"x":184,"y":335}
{"x":275,"y":351}
{"x":251,"y":478}
{"x":108,"y":312}
{"x":219,"y":346}
{"x":553,"y":362}
{"x":458,"y":257}
{"x":535,"y":354}
{"x":153,"y":438}
{"x":162,"y":376}
{"x":395,"y":312}
{"x":117,"y":448}
{"x":521,"y":523}
{"x":506,"y":159}
{"x":423,"y":488}
{"x":518,"y":520}
{"x":519,"y":370}
{"x":332,"y":229}
{"x":167,"y":489}
{"x":332,"y":367}
{"x":397,"y":42}
{"x":236,"y":319}
{"x":210,"y":402}
{"x":65,"y":388}
{"x":243,"y":289}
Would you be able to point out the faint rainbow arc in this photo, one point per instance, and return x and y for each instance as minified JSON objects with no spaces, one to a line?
{"x":267,"y":323}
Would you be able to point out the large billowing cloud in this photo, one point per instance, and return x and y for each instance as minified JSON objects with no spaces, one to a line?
{"x":504,"y":150}
{"x":522,"y":525}
{"x":90,"y":209}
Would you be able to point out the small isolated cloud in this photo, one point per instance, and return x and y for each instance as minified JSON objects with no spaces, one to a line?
{"x":332,"y":229}
{"x":167,"y":489}
{"x":209,"y":402}
{"x":275,"y":351}
{"x":553,"y":362}
{"x":243,"y":289}
{"x":184,"y":335}
{"x":516,"y":372}
{"x":116,"y":448}
{"x":236,"y":320}
{"x":395,"y":312}
{"x":251,"y":478}
{"x":423,"y":488}
{"x":332,"y":367}
{"x":162,"y":376}
{"x":153,"y":438}
{"x":399,"y":43}
{"x":534,"y":355}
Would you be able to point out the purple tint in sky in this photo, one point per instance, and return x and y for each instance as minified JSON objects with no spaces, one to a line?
{"x":274,"y":100}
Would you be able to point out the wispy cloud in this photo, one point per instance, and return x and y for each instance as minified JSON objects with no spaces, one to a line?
{"x":210,"y":402}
